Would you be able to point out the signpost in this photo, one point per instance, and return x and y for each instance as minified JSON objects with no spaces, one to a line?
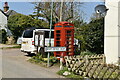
{"x":52,"y":49}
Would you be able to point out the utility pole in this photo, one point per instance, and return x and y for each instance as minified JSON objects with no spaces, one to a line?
{"x":48,"y":62}
{"x":61,"y":10}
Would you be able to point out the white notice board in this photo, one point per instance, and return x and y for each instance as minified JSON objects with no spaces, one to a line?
{"x":54,"y":49}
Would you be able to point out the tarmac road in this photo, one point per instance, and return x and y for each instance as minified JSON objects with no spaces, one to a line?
{"x":15,"y":65}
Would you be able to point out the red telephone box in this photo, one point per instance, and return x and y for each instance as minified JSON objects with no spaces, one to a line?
{"x":64,"y":37}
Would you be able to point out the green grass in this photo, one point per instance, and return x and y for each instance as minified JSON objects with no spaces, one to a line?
{"x":62,"y":71}
{"x":87,"y":53}
{"x":38,"y":59}
{"x":18,"y":46}
{"x":72,"y":75}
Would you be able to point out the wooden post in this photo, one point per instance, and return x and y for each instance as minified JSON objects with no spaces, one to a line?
{"x":104,"y":59}
{"x":61,"y":62}
{"x":86,"y":59}
{"x":119,"y":62}
{"x":48,"y":61}
{"x":61,"y":10}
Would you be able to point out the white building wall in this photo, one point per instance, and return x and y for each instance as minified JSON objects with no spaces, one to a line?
{"x":119,"y":28}
{"x":3,"y":20}
{"x":112,"y":39}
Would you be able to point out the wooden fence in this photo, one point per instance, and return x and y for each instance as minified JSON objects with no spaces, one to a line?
{"x":92,"y":66}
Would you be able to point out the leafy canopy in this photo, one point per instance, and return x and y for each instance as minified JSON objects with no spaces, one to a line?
{"x":92,"y":36}
{"x":19,"y":22}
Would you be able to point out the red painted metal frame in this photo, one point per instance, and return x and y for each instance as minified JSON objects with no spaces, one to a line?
{"x":64,"y":37}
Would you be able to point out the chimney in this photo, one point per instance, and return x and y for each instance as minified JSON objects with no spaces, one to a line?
{"x":6,"y":7}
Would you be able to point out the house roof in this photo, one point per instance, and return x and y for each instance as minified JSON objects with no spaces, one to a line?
{"x":63,"y":23}
{"x":4,"y":13}
{"x":9,"y":13}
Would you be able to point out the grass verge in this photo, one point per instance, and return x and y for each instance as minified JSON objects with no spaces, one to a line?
{"x":38,"y":59}
{"x":71,"y":75}
{"x":18,"y":46}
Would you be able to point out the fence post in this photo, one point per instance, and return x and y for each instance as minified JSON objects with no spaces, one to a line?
{"x":119,"y":62}
{"x":104,"y":59}
{"x":86,"y":59}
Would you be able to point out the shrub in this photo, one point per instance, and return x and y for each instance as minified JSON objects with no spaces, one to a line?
{"x":92,"y":36}
{"x":3,"y":36}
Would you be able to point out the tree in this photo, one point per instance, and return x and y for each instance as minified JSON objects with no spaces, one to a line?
{"x":92,"y":36}
{"x":95,"y":16}
{"x":70,"y":11}
{"x":18,"y":23}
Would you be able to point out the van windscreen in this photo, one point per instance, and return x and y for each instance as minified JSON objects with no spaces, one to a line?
{"x":28,"y":34}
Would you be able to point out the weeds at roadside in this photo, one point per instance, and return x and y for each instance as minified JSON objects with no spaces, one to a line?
{"x":87,"y":53}
{"x":18,"y":46}
{"x":71,"y":75}
{"x":38,"y":59}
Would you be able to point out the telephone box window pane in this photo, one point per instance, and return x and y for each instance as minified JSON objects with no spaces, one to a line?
{"x":69,"y":31}
{"x":58,"y":35}
{"x":58,"y":42}
{"x":57,"y":45}
{"x":67,"y":26}
{"x":68,"y":35}
{"x":57,"y":38}
{"x":58,"y":26}
{"x":58,"y":31}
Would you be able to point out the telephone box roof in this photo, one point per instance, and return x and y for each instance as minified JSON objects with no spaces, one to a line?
{"x":62,"y":23}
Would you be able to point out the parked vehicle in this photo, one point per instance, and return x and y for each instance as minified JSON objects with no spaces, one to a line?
{"x":19,"y":40}
{"x":28,"y":40}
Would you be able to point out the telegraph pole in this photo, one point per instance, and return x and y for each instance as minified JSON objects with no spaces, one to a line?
{"x":61,"y":10}
{"x":48,"y":62}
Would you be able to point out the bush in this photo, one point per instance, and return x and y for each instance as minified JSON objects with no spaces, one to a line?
{"x":92,"y":36}
{"x":39,"y":59}
{"x":18,"y":23}
{"x":87,"y":53}
{"x":3,"y":36}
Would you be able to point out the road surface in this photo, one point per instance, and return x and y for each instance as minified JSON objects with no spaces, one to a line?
{"x":15,"y":65}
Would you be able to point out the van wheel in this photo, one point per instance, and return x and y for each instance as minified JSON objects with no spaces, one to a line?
{"x":29,"y":53}
{"x":42,"y":52}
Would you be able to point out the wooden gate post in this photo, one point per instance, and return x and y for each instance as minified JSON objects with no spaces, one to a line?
{"x":86,"y":59}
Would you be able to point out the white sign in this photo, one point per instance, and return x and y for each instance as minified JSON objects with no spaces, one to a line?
{"x":53,"y":49}
{"x":36,"y":40}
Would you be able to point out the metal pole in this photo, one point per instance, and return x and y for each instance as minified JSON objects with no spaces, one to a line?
{"x":48,"y":62}
{"x":61,"y":61}
{"x":61,"y":9}
{"x":50,"y":35}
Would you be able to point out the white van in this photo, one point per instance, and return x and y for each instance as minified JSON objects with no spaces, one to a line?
{"x":28,"y":38}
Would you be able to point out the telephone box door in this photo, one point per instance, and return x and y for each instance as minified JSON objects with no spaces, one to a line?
{"x":64,"y":37}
